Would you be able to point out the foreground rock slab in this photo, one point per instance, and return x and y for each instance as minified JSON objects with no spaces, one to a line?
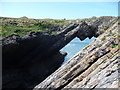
{"x":28,"y":60}
{"x":96,"y":66}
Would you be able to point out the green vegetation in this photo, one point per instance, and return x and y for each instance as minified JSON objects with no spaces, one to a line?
{"x":99,"y":45}
{"x":113,"y":34}
{"x":104,"y":61}
{"x":118,"y":36}
{"x":118,"y":64}
{"x":54,"y":33}
{"x":59,"y":21}
{"x":104,"y":38}
{"x":86,"y":47}
{"x":114,"y":54}
{"x":113,"y":46}
{"x":8,"y":29}
{"x":24,"y":17}
{"x":21,"y":26}
{"x":105,"y":27}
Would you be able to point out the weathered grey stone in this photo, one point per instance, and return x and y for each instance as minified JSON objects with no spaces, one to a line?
{"x":36,"y":55}
{"x":96,"y":66}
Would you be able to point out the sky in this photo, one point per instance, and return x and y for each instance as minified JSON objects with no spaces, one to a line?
{"x":58,"y":10}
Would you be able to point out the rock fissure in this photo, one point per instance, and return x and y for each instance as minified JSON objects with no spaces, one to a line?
{"x":38,"y":54}
{"x":71,"y":77}
{"x":96,"y":64}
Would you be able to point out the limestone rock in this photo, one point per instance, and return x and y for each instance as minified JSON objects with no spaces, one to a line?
{"x":28,"y":60}
{"x":96,"y":66}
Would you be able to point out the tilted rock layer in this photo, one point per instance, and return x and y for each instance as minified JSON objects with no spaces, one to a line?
{"x":28,"y":60}
{"x":96,"y":66}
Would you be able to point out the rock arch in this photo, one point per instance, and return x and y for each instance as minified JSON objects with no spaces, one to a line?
{"x":35,"y":55}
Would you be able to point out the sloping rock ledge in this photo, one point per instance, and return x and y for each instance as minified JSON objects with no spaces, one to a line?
{"x":96,"y":66}
{"x":28,"y":60}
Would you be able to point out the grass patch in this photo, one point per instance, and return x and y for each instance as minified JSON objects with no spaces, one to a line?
{"x":104,"y":61}
{"x":113,"y":46}
{"x":86,"y":47}
{"x":118,"y":36}
{"x":21,"y":26}
{"x":114,"y":55}
{"x":105,"y":27}
{"x":99,"y":45}
{"x":113,"y":34}
{"x":118,"y":64}
{"x":104,"y":38}
{"x":59,"y":21}
{"x":54,"y":32}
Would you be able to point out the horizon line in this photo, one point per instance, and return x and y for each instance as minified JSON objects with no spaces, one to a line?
{"x":57,"y":18}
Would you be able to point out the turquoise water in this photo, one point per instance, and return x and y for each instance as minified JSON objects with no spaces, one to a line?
{"x":74,"y":47}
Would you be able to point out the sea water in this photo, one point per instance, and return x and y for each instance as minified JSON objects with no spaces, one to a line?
{"x":74,"y":47}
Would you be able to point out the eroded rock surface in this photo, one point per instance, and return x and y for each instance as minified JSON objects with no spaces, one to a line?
{"x":96,"y":66}
{"x":28,"y":60}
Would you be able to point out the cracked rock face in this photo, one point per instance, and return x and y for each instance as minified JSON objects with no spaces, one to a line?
{"x":96,"y":66}
{"x":28,"y":60}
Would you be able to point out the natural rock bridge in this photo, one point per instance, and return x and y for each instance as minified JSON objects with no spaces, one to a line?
{"x":30,"y":59}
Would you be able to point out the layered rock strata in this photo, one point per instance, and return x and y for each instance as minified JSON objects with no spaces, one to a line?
{"x":28,"y":60}
{"x":96,"y":66}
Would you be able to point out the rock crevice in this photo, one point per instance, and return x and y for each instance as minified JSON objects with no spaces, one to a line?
{"x":93,"y":67}
{"x":36,"y":55}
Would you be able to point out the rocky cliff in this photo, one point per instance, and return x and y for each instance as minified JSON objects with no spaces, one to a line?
{"x":96,"y":66}
{"x":28,"y":60}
